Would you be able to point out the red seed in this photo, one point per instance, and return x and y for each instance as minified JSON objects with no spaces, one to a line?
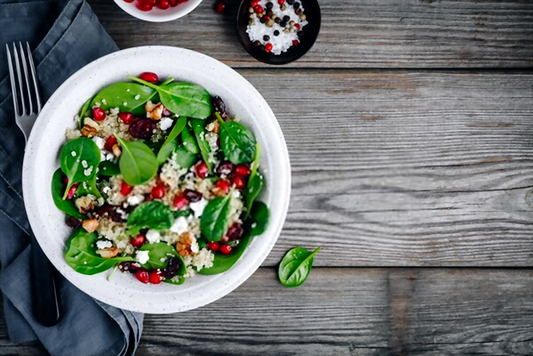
{"x":201,"y":170}
{"x":110,"y":142}
{"x":267,"y":17}
{"x":149,"y":77}
{"x":155,"y":277}
{"x":225,"y":168}
{"x":224,"y":239}
{"x":138,"y":240}
{"x":142,"y":128}
{"x":142,"y":275}
{"x":72,"y":191}
{"x":180,"y":201}
{"x":281,"y":2}
{"x":214,"y":246}
{"x":255,"y":3}
{"x":125,"y":188}
{"x":126,"y":117}
{"x":158,"y":191}
{"x":143,"y":6}
{"x":220,"y":7}
{"x":268,"y":47}
{"x":295,"y":42}
{"x":173,"y":3}
{"x":258,"y":9}
{"x":242,"y":170}
{"x":297,"y":25}
{"x":223,"y":186}
{"x":163,"y":4}
{"x":238,"y":182}
{"x":128,"y":1}
{"x":225,"y":249}
{"x":235,"y":232}
{"x":98,"y":114}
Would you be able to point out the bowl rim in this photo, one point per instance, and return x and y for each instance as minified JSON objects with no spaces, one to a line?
{"x":149,"y":15}
{"x":49,"y":245}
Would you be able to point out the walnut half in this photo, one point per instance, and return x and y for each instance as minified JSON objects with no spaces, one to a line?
{"x":187,"y":245}
{"x":108,"y":252}
{"x":154,"y":111}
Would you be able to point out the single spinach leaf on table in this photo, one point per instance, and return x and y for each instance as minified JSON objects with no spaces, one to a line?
{"x":198,"y":127}
{"x":236,"y":141}
{"x":123,"y":96}
{"x":152,"y":215}
{"x":296,"y":266}
{"x":182,"y":98}
{"x":171,"y":141}
{"x":255,"y":182}
{"x":58,"y":189}
{"x":189,"y":142}
{"x":79,"y":160}
{"x":138,"y":163}
{"x":158,"y":251}
{"x":108,"y":169}
{"x":184,"y":158}
{"x":214,"y":222}
{"x":80,"y":254}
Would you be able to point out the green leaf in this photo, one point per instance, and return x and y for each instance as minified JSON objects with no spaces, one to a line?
{"x":222,"y":263}
{"x":189,"y":142}
{"x":214,"y":222}
{"x":184,"y":158}
{"x":88,"y":187}
{"x":123,"y":96}
{"x":296,"y":266}
{"x":77,"y":156}
{"x":138,"y":164}
{"x":108,"y":169}
{"x":58,"y":188}
{"x":158,"y":251}
{"x":200,"y":132}
{"x":180,"y":281}
{"x":83,"y":111}
{"x":182,"y":98}
{"x":171,"y":141}
{"x":80,"y":254}
{"x":181,"y":213}
{"x":152,"y":215}
{"x":259,"y":218}
{"x":236,"y":141}
{"x":165,"y":151}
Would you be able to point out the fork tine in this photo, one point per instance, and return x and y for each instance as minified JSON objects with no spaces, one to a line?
{"x":12,"y":79}
{"x":34,"y":77}
{"x":21,"y":85}
{"x":25,"y":69}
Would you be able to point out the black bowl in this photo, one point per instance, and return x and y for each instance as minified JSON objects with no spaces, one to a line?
{"x":311,"y":30}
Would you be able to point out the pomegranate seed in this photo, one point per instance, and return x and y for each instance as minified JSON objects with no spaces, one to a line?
{"x":142,"y":275}
{"x":142,"y":128}
{"x":295,"y":42}
{"x":110,"y":142}
{"x":255,"y":3}
{"x":125,"y":188}
{"x":173,"y":3}
{"x":98,"y":114}
{"x":180,"y":201}
{"x":192,"y":195}
{"x":126,"y":117}
{"x":223,"y":186}
{"x":238,"y":182}
{"x":72,"y":191}
{"x":268,"y":47}
{"x":220,"y":7}
{"x":258,"y":9}
{"x":138,"y":240}
{"x":281,"y":2}
{"x":155,"y":277}
{"x":242,"y":170}
{"x":201,"y":170}
{"x":128,"y":1}
{"x":149,"y":77}
{"x":225,"y":168}
{"x":225,"y":249}
{"x":224,"y":239}
{"x":158,"y":191}
{"x":214,"y":246}
{"x":143,"y":6}
{"x":65,"y":180}
{"x":235,"y":232}
{"x":163,"y":4}
{"x":267,"y":17}
{"x":297,"y":25}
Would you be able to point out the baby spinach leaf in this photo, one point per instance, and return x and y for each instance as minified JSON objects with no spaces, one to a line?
{"x":184,"y":158}
{"x":180,"y":281}
{"x":200,"y":132}
{"x":58,"y":188}
{"x":138,"y":164}
{"x":214,"y":222}
{"x":222,"y":263}
{"x":79,"y":160}
{"x":123,"y":96}
{"x":158,"y":251}
{"x":180,"y":213}
{"x":171,"y":143}
{"x":84,"y":111}
{"x":152,"y":215}
{"x":165,"y":151}
{"x":236,"y":141}
{"x":80,"y":254}
{"x":189,"y":142}
{"x":182,"y":98}
{"x":88,"y":187}
{"x":296,"y":266}
{"x":108,"y":169}
{"x":255,"y":182}
{"x":259,"y":218}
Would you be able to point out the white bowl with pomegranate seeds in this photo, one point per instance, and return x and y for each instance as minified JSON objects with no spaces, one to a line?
{"x":47,"y":138}
{"x":162,"y":11}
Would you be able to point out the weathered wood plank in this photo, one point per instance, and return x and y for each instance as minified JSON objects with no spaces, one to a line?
{"x":353,"y":311}
{"x":357,"y":34}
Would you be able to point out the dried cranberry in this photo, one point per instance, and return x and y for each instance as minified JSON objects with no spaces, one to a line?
{"x":103,"y":210}
{"x":142,"y":128}
{"x":173,"y":266}
{"x":131,"y":267}
{"x":219,"y":105}
{"x":225,"y":168}
{"x":72,"y":222}
{"x":235,"y":232}
{"x":116,"y":216}
{"x":167,"y":112}
{"x":192,"y":195}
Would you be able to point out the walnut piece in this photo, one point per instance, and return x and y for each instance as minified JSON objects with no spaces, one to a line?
{"x":153,"y":111}
{"x":116,"y":150}
{"x":90,"y":225}
{"x":85,"y":204}
{"x":108,"y":252}
{"x":187,"y":245}
{"x":90,"y":127}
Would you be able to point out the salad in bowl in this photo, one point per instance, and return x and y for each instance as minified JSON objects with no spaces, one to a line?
{"x":158,"y":181}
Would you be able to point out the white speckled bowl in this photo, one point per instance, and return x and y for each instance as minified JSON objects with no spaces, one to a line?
{"x":47,"y":138}
{"x":158,"y":15}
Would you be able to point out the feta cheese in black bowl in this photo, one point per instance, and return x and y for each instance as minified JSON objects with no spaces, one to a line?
{"x":278,"y":31}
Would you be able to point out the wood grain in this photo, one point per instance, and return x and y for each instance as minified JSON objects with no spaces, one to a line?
{"x":352,"y":311}
{"x":359,"y":34}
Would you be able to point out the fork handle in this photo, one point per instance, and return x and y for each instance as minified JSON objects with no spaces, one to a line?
{"x":46,"y":302}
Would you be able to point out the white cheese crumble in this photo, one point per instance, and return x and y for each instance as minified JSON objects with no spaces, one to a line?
{"x":104,"y":101}
{"x":135,"y":199}
{"x":73,"y":154}
{"x":198,"y":207}
{"x":153,"y":236}
{"x":142,"y":257}
{"x":100,"y":142}
{"x":137,"y":97}
{"x":84,"y":164}
{"x":106,"y":189}
{"x":180,"y":226}
{"x":165,"y":123}
{"x":101,"y":244}
{"x":87,"y":172}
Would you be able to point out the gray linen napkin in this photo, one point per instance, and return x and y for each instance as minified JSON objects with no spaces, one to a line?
{"x":65,"y":36}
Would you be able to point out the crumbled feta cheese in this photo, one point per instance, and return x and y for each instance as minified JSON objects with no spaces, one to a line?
{"x":73,"y":154}
{"x":106,"y":189}
{"x":100,"y":142}
{"x":180,"y":226}
{"x":101,"y":244}
{"x":153,"y":236}
{"x":104,"y":102}
{"x":114,"y":111}
{"x":125,"y":103}
{"x":109,"y":157}
{"x":198,"y":207}
{"x":142,"y":257}
{"x":84,"y":164}
{"x":137,"y":97}
{"x":165,"y":123}
{"x":135,"y":199}
{"x":87,"y":172}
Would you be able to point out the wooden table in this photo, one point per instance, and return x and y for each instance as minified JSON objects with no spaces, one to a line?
{"x":410,"y":131}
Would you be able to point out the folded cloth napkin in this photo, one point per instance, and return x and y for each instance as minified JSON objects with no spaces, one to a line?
{"x":65,"y":35}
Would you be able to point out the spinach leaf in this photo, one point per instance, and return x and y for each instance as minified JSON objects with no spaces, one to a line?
{"x":108,"y":169}
{"x":200,"y":132}
{"x":259,"y":218}
{"x":88,"y":187}
{"x":222,"y":263}
{"x":236,"y":141}
{"x":83,"y":111}
{"x":158,"y":251}
{"x":79,"y":160}
{"x":138,"y":164}
{"x":296,"y":266}
{"x":180,"y":281}
{"x":165,"y":151}
{"x":152,"y":215}
{"x":80,"y":254}
{"x":180,"y":213}
{"x":184,"y":158}
{"x":122,"y":95}
{"x":171,"y":143}
{"x":182,"y":98}
{"x":214,"y":222}
{"x":189,"y":142}
{"x":58,"y":188}
{"x":255,"y":182}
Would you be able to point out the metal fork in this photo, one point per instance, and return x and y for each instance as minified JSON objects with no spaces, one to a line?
{"x":27,"y":105}
{"x":25,"y":115}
